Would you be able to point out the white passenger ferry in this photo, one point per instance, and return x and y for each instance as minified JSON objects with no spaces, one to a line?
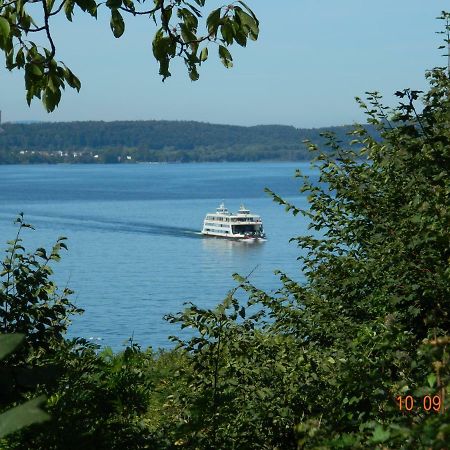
{"x":241,"y":225}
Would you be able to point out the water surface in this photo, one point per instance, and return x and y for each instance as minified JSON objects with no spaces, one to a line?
{"x":135,"y":252}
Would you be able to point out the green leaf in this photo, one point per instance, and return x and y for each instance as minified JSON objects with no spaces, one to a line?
{"x":68,"y":9}
{"x":5,"y":28}
{"x":227,"y":32}
{"x":35,"y":70}
{"x":213,"y":21}
{"x":51,"y":99}
{"x":88,"y":5}
{"x":20,"y":58}
{"x":129,"y":4}
{"x":187,"y":34}
{"x":204,"y":54}
{"x":240,"y":37}
{"x":22,"y":416}
{"x":190,"y":19}
{"x":249,"y":10}
{"x":9,"y":342}
{"x":249,"y":24}
{"x":225,"y":56}
{"x":163,"y":49}
{"x":431,"y":379}
{"x":380,"y":435}
{"x":71,"y":79}
{"x":114,"y":4}
{"x":50,"y":4}
{"x":117,"y":23}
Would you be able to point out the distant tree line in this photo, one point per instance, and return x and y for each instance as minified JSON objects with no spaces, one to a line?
{"x":157,"y":141}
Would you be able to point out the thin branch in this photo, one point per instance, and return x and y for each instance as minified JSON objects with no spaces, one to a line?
{"x":140,"y":13}
{"x":4,"y":5}
{"x":10,"y":279}
{"x":411,"y":103}
{"x":30,"y":30}
{"x":447,"y":29}
{"x":59,"y":9}
{"x":47,"y":31}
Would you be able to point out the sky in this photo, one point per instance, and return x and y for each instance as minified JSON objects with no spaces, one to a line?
{"x":312,"y":58}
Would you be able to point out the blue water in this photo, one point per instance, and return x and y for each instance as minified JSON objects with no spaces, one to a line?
{"x":135,"y":252}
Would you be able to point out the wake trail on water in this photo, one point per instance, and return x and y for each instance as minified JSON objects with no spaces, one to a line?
{"x":96,"y":223}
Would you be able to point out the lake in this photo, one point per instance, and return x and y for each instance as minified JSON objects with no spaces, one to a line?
{"x":135,"y":252}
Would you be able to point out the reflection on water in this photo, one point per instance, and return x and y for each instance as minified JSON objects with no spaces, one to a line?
{"x":231,"y":247}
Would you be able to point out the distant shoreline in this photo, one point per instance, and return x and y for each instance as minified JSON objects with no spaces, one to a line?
{"x":137,"y":163}
{"x":158,"y":142}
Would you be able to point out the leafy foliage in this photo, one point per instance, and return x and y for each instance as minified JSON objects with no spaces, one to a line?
{"x":98,"y":402}
{"x":243,"y":382}
{"x":27,"y":413}
{"x":371,"y":321}
{"x":29,"y":300}
{"x":178,"y":35}
{"x":35,"y":315}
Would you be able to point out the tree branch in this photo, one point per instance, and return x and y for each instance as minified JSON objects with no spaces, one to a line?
{"x":47,"y":31}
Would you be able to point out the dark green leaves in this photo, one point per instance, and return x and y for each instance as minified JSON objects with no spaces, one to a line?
{"x":227,"y":32}
{"x":164,"y":49}
{"x":204,"y":54}
{"x":23,"y":416}
{"x":225,"y":57}
{"x":117,"y":24}
{"x":177,"y":36}
{"x":9,"y":342}
{"x":51,"y":97}
{"x":70,"y":78}
{"x":234,"y":24}
{"x":249,"y":24}
{"x":30,"y":302}
{"x":114,"y":4}
{"x":190,"y":20}
{"x":68,"y":9}
{"x":186,"y":33}
{"x":46,"y":85}
{"x":213,"y":22}
{"x":4,"y":28}
{"x":89,"y":6}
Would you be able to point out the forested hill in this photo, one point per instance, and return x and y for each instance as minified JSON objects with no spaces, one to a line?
{"x":159,"y":141}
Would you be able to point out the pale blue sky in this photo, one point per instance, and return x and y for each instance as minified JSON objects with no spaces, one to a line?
{"x":313,"y":57}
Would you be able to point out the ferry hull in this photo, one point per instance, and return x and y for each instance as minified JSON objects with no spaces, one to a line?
{"x":235,"y":237}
